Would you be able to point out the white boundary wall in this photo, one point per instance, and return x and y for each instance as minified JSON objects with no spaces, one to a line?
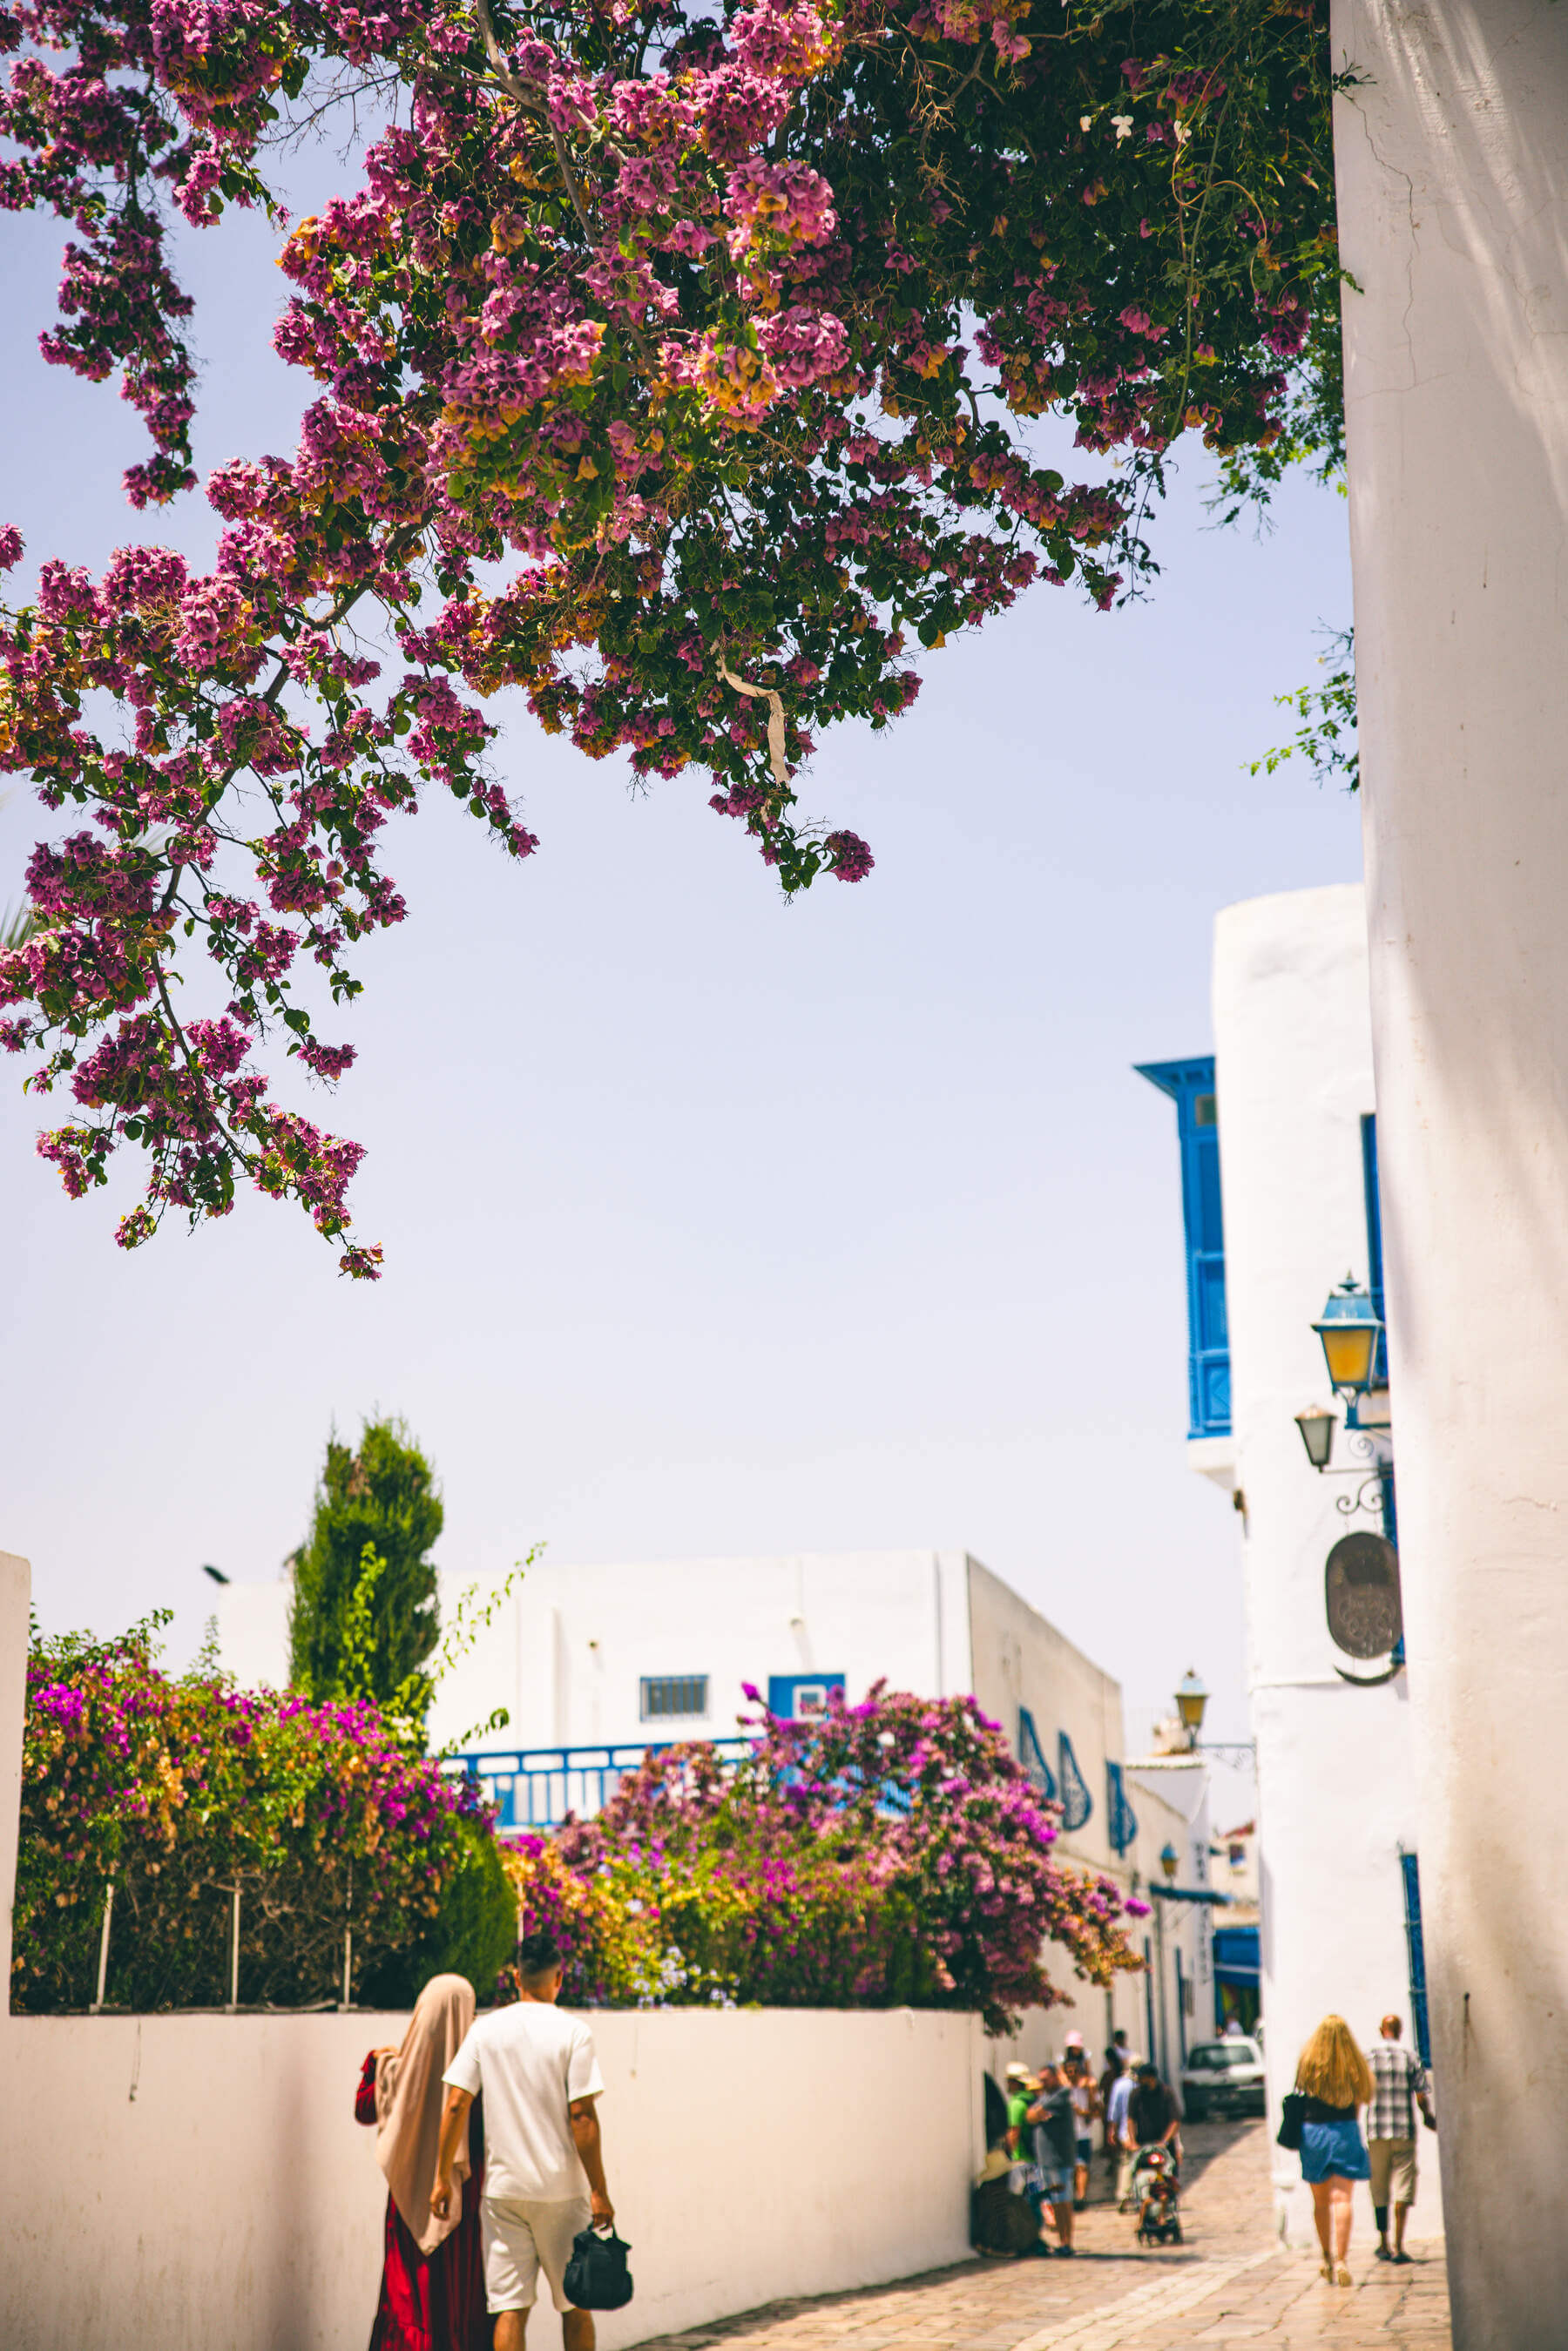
{"x":198,"y":2183}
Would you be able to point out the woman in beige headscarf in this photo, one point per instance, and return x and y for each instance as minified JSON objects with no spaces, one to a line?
{"x":433,"y":2281}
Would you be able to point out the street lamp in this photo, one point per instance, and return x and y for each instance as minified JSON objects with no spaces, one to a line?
{"x":1317,"y":1427}
{"x":1350,"y":1330}
{"x":1191,"y":1699}
{"x":1191,"y":1702}
{"x":1170,"y":1861}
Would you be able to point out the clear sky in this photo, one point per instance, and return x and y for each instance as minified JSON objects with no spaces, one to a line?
{"x":713,"y":1224}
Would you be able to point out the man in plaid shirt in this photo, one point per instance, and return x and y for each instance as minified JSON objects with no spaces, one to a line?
{"x":1398,"y":2088}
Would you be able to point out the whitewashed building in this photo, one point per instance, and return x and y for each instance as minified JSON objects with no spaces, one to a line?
{"x":1278,"y":1139}
{"x":594,"y":1663}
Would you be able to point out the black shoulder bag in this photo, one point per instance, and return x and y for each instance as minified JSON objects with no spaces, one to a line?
{"x":1291,"y":2116}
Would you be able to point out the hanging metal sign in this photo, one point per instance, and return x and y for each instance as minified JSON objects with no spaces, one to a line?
{"x":1361,"y":1595}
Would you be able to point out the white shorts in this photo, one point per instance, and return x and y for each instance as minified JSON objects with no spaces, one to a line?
{"x":520,"y":2240}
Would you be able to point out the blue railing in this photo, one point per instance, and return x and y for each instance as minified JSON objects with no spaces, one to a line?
{"x":535,"y":1787}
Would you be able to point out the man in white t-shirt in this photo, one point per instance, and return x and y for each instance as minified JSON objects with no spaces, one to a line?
{"x":544,"y":2167}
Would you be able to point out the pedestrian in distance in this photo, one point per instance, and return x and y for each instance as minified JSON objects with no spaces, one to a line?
{"x":432,"y":2276}
{"x":1056,"y":2145}
{"x":1153,"y":2113}
{"x":1399,"y":2086}
{"x":544,"y":2165}
{"x":1086,"y":2113}
{"x":1108,"y":2081}
{"x":1333,"y":2080}
{"x":1023,"y":2088}
{"x":1119,"y":2132}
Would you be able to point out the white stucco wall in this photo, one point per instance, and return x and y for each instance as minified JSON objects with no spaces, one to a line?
{"x":1336,"y":1769}
{"x":1172,"y":1801}
{"x":1453,"y":206}
{"x":1021,"y":1660}
{"x":198,"y":2183}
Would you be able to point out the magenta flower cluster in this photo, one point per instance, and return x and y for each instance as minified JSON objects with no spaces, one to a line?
{"x":176,"y":1789}
{"x":891,"y":1852}
{"x":670,"y":365}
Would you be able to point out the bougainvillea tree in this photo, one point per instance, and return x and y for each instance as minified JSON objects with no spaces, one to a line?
{"x":892,"y":1852}
{"x":176,"y":1791}
{"x":676,"y":365}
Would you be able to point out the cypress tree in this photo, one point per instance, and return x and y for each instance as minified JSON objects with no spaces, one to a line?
{"x":377,"y":1513}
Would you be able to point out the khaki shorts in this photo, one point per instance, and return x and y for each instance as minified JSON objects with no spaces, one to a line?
{"x":521,"y":2240}
{"x":1393,"y":2162}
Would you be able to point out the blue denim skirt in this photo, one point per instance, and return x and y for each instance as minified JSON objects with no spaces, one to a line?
{"x":1330,"y":2149}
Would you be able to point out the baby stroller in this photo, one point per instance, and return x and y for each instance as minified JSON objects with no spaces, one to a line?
{"x":1154,"y":2187}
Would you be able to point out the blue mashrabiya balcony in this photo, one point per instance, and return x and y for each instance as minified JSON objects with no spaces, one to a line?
{"x":1190,"y":1085}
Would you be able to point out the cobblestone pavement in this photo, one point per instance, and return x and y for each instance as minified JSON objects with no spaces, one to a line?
{"x":1229,"y":2282}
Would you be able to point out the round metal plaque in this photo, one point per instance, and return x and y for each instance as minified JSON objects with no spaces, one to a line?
{"x":1361,"y":1593}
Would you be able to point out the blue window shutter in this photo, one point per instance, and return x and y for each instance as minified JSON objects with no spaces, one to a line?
{"x":1191,"y":1086}
{"x":1373,"y":1230}
{"x":1031,"y":1755}
{"x":1124,"y":1826}
{"x":1374,"y":1284}
{"x":1416,"y":1945}
{"x":1077,"y":1803}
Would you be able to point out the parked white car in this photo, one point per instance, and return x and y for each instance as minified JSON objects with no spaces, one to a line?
{"x":1223,"y":2077}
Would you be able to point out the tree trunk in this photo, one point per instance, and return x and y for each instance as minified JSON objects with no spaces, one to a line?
{"x":1452,"y":168}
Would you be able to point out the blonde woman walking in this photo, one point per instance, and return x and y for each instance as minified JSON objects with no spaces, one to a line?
{"x":1332,"y":2080}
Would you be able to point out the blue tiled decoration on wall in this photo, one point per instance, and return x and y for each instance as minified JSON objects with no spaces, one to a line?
{"x":1031,"y":1755}
{"x":1124,"y":1819}
{"x":1077,"y":1803}
{"x":1190,"y":1085}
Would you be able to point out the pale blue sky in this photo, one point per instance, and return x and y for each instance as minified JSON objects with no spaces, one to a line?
{"x":713,"y":1224}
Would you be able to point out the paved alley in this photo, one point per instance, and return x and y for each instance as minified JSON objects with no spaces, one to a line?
{"x":1229,"y":2282}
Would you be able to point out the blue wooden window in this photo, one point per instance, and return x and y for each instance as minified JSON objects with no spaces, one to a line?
{"x":669,"y":1695}
{"x":801,"y":1697}
{"x":1416,"y":1947}
{"x":1124,"y":1819}
{"x":1190,"y":1085}
{"x":1077,"y":1803}
{"x":1031,"y":1755}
